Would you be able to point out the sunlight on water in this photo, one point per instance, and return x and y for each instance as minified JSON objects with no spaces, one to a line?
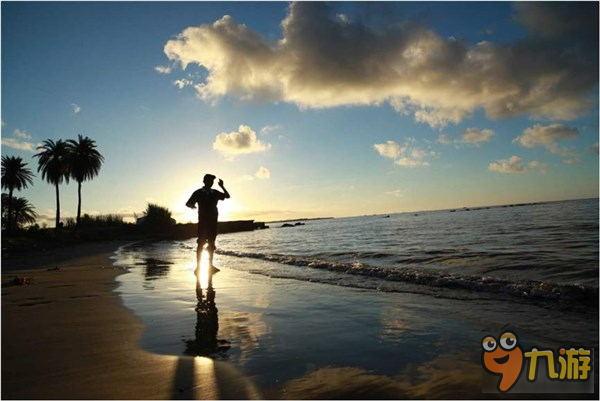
{"x":204,"y":266}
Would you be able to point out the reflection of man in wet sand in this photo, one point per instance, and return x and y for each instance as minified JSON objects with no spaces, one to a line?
{"x":208,"y":214}
{"x":205,"y":342}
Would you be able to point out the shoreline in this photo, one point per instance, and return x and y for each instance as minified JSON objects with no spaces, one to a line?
{"x":68,"y":335}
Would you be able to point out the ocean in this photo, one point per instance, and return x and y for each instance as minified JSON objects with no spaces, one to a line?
{"x":540,"y":252}
{"x":409,"y":286}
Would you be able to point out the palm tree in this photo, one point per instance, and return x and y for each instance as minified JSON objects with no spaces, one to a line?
{"x":85,"y":162}
{"x":21,"y":208}
{"x":54,"y":165}
{"x":15,"y":175}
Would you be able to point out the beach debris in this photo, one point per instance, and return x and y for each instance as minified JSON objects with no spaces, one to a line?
{"x":52,"y":269}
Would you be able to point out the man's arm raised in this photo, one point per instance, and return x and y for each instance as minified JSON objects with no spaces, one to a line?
{"x":222,"y":185}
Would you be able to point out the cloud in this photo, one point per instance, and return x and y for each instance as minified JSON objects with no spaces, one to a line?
{"x":17,"y":144}
{"x":19,"y":141}
{"x":398,"y":193}
{"x":21,"y":134}
{"x":163,"y":69}
{"x":475,"y":136}
{"x":510,"y":165}
{"x":263,"y":173}
{"x":323,"y":60}
{"x":536,"y":165}
{"x":182,"y":83}
{"x":270,"y":129}
{"x":390,"y":149}
{"x":76,"y":108}
{"x":405,"y":155}
{"x":514,"y":164}
{"x":239,"y":142}
{"x":470,"y":136}
{"x":445,"y":139}
{"x":547,"y":137}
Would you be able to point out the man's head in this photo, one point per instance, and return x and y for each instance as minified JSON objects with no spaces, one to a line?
{"x":209,"y":180}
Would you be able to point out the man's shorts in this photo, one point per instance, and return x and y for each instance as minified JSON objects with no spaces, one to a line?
{"x":207,"y":233}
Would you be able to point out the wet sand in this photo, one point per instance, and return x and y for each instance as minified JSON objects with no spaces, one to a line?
{"x":67,"y":336}
{"x":298,"y":339}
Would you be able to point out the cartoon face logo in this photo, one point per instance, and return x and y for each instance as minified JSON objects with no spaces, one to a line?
{"x":503,"y":358}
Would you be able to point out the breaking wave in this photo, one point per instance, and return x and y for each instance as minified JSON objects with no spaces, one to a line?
{"x":571,"y":295}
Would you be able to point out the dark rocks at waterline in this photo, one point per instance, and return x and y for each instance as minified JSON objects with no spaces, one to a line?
{"x":286,"y":225}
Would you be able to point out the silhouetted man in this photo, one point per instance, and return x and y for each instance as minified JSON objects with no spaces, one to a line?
{"x":208,"y":214}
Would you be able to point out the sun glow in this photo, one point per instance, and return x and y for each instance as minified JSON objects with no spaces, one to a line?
{"x":227,"y":209}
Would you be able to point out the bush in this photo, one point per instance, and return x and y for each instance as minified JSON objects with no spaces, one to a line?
{"x":157,"y":218}
{"x":103,"y":220}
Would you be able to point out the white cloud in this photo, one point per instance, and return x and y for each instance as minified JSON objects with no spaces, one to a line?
{"x":263,"y":173}
{"x":239,"y":142}
{"x":411,"y":162}
{"x":182,"y":83}
{"x":548,"y":137}
{"x":17,"y":144}
{"x":270,"y":129}
{"x":163,"y":69}
{"x":76,"y":108}
{"x":514,"y":164}
{"x":324,"y":60}
{"x":470,"y":136}
{"x":510,"y":165}
{"x":19,"y":141}
{"x":21,"y":134}
{"x":405,"y":155}
{"x":398,"y":193}
{"x":475,"y":136}
{"x":390,"y":149}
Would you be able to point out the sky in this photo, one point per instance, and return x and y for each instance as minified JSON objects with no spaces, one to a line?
{"x":306,"y":109}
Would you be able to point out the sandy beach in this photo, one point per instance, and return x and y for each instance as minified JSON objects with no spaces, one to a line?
{"x":67,"y":336}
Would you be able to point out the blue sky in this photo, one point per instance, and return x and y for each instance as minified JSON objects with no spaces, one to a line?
{"x":307,"y":109}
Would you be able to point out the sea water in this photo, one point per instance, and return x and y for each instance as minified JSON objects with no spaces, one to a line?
{"x":413,"y":278}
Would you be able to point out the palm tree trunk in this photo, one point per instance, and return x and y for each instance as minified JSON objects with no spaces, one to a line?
{"x":78,"y":203}
{"x":57,"y":208}
{"x":10,"y":211}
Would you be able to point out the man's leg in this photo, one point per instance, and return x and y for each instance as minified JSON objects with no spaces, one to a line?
{"x":199,"y":248}
{"x":211,"y":251}
{"x":212,"y":237}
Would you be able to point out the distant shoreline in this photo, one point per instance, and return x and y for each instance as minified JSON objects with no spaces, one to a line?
{"x":301,"y":219}
{"x":517,"y":204}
